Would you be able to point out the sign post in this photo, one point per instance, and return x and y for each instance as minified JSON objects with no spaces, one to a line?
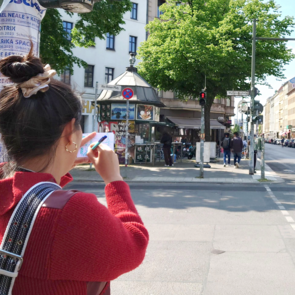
{"x":127,"y":93}
{"x":237,"y":93}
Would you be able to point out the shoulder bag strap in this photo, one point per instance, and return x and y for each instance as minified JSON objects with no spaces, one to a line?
{"x":18,"y":231}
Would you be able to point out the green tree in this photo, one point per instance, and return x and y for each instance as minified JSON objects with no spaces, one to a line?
{"x":55,"y":49}
{"x":236,"y":128}
{"x":198,"y":41}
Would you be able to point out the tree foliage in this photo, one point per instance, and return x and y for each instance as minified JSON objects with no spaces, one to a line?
{"x":211,"y":40}
{"x":55,"y":49}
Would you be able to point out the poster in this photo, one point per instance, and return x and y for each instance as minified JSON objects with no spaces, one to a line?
{"x":109,"y":141}
{"x":145,"y":112}
{"x":119,"y":111}
{"x":119,"y":130}
{"x":20,"y":22}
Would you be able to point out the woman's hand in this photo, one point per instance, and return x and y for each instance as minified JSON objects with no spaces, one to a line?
{"x":106,"y":163}
{"x":83,"y":142}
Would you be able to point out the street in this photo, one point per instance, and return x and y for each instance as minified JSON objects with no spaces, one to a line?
{"x":215,"y":239}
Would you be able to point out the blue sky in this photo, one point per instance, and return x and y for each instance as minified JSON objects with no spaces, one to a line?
{"x":287,"y":8}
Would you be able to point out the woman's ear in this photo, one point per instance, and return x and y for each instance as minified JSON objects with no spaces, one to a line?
{"x":68,"y":131}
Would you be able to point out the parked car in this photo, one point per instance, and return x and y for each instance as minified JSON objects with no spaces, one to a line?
{"x":290,"y":142}
{"x":286,"y":142}
{"x":277,"y":141}
{"x":293,"y":143}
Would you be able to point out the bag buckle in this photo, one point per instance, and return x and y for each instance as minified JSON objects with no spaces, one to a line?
{"x":9,"y":273}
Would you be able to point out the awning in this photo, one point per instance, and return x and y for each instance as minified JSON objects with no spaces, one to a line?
{"x":193,"y":123}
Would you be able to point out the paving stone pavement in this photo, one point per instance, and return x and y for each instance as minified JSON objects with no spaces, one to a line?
{"x":182,"y":172}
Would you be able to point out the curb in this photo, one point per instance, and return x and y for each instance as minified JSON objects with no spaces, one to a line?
{"x":184,"y":180}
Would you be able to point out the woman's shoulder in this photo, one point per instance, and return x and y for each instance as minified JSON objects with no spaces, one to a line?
{"x":61,"y":199}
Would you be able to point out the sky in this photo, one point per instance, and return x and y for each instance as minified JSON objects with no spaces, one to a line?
{"x":287,"y":8}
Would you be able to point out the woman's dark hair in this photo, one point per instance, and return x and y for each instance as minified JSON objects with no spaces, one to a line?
{"x":31,"y":127}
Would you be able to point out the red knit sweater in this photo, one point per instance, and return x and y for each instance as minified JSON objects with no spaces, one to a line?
{"x":82,"y":242}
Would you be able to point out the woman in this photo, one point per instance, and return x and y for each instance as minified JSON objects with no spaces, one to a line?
{"x":77,"y":245}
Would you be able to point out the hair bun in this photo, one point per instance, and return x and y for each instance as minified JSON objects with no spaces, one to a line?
{"x":21,"y":68}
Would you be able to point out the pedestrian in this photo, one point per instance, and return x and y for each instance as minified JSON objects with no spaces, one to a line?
{"x":166,"y":140}
{"x":237,"y":147}
{"x":282,"y":141}
{"x":226,"y":145}
{"x":76,"y":244}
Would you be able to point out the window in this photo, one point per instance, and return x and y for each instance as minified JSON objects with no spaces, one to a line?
{"x":110,"y":41}
{"x":109,"y":75}
{"x":66,"y":76}
{"x":132,"y":44}
{"x":160,"y":2}
{"x":68,"y":30}
{"x":134,"y":11}
{"x":88,"y":78}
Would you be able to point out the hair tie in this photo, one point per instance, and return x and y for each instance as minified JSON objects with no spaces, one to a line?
{"x":37,"y":83}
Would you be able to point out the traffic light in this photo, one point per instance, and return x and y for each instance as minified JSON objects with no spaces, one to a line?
{"x":258,"y":119}
{"x":256,"y":91}
{"x":258,"y":107}
{"x":202,"y":98}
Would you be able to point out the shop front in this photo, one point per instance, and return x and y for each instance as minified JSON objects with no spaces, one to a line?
{"x":143,"y":116}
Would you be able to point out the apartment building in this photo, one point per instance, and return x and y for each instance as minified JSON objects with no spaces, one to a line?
{"x":109,"y":58}
{"x":279,"y":116}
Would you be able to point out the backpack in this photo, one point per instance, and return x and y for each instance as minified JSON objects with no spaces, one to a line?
{"x":225,"y":143}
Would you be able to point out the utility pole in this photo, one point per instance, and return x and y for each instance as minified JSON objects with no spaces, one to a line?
{"x":254,"y":38}
{"x":95,"y":108}
{"x":251,"y":156}
{"x":202,"y":143}
{"x":126,"y":138}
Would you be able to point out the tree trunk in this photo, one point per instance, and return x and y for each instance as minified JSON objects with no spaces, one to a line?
{"x":207,"y":121}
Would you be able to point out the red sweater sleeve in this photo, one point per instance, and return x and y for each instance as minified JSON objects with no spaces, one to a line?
{"x":93,"y":243}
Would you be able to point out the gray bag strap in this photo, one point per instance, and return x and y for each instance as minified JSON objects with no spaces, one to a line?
{"x":18,"y":232}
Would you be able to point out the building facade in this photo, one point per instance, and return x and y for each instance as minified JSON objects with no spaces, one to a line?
{"x":279,"y":109}
{"x":106,"y":60}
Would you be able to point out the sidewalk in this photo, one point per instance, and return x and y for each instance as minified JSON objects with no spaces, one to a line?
{"x":184,"y":172}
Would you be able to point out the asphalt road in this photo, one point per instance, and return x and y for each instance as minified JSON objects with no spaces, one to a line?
{"x":282,"y":161}
{"x":213,"y":239}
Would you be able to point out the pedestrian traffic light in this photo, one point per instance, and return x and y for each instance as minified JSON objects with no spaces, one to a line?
{"x":202,"y":98}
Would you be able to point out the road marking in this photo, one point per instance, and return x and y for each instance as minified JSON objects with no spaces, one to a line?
{"x":289,"y":194}
{"x":289,"y":219}
{"x":283,"y":209}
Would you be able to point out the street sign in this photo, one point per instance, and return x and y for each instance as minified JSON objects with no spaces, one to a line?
{"x":237,"y":93}
{"x":127,"y":93}
{"x":110,"y":87}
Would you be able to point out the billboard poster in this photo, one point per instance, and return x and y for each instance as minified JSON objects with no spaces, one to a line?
{"x":119,"y":129}
{"x":118,"y":111}
{"x":145,"y":112}
{"x":20,"y":22}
